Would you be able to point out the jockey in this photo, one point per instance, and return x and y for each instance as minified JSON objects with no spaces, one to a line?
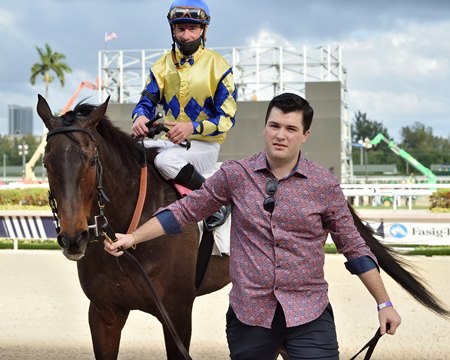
{"x":195,"y":88}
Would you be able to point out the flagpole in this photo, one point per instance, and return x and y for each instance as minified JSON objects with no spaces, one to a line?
{"x":106,"y":42}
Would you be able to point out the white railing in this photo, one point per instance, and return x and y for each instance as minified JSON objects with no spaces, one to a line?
{"x":359,"y":192}
{"x":375,"y":192}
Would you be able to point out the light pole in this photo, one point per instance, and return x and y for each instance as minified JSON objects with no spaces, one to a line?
{"x":4,"y":167}
{"x":366,"y":145}
{"x":23,"y":150}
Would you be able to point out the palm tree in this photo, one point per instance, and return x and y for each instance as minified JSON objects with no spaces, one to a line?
{"x":50,"y":61}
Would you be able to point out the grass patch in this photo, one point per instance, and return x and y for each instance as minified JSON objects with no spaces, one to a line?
{"x":429,"y":250}
{"x":30,"y":244}
{"x":330,"y":249}
{"x":51,"y":244}
{"x":424,"y":250}
{"x":24,"y":207}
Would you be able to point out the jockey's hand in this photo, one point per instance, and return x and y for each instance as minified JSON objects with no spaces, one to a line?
{"x":124,"y":241}
{"x":179,"y":131}
{"x":138,"y":128}
{"x":389,"y":315}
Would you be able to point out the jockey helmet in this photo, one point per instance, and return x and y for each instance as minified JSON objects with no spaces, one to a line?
{"x":189,"y":11}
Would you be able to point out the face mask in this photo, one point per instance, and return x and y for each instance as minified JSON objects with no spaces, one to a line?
{"x":188,"y":48}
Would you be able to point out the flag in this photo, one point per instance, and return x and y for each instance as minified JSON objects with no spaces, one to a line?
{"x":110,"y":36}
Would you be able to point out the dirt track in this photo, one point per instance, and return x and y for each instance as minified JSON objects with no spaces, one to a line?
{"x":43,"y":314}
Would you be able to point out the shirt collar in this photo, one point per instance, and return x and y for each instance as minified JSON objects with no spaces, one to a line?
{"x":302,"y":167}
{"x":182,"y":60}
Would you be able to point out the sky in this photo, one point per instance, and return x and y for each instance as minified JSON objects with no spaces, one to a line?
{"x":396,"y":52}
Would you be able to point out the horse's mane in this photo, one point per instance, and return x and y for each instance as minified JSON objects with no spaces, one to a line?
{"x":117,"y":140}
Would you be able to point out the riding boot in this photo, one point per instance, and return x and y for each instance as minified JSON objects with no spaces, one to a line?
{"x":189,"y":177}
{"x":192,"y":179}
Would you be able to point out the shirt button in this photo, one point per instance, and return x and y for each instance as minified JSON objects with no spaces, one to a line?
{"x":275,"y":288}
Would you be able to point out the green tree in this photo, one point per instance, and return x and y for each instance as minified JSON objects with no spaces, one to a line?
{"x":9,"y":147}
{"x":363,"y":128}
{"x":419,"y":141}
{"x":50,"y":61}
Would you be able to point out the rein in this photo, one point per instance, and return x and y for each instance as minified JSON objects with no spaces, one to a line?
{"x":105,"y":231}
{"x":142,"y":194}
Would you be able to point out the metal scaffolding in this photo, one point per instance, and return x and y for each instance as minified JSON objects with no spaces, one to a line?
{"x":260,"y":74}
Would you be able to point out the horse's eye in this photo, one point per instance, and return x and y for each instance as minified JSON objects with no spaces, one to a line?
{"x":93,"y":161}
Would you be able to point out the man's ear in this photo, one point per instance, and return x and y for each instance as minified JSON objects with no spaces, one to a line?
{"x":306,"y":135}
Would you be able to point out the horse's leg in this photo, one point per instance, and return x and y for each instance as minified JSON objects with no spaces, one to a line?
{"x":181,"y":315}
{"x":106,"y":327}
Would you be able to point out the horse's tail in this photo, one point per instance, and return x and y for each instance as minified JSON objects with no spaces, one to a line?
{"x":399,"y":269}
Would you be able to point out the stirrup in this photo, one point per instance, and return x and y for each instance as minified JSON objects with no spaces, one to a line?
{"x":218,"y":218}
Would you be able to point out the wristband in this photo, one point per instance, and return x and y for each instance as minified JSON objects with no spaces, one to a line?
{"x":135,"y":241}
{"x":383,"y":305}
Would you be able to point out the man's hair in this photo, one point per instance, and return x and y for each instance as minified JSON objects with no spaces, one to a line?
{"x":287,"y":103}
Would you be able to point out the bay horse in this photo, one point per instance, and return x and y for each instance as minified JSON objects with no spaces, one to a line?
{"x":87,"y":158}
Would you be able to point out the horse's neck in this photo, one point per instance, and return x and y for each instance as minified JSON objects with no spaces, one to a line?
{"x":121,"y":185}
{"x":121,"y":180}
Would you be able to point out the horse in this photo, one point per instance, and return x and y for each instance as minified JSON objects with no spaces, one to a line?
{"x":115,"y":287}
{"x":87,"y":159}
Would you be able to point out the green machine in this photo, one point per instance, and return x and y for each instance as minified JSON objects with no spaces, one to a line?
{"x":405,"y":155}
{"x":431,"y":178}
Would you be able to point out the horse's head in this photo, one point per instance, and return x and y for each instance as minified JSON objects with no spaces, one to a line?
{"x":71,"y":160}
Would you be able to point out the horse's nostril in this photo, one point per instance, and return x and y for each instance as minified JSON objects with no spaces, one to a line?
{"x":63,"y":241}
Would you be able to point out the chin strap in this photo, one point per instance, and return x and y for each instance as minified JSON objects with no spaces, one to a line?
{"x":174,"y":40}
{"x":174,"y":56}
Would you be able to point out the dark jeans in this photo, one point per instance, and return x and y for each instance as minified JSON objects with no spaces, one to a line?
{"x":314,"y":340}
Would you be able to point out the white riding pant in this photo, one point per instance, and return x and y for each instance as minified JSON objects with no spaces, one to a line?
{"x":171,"y":158}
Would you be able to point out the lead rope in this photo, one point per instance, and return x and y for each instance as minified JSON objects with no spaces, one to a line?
{"x":370,"y":346}
{"x":110,"y":236}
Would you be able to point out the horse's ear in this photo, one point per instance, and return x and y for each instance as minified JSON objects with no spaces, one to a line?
{"x":98,"y":114}
{"x":45,"y":113}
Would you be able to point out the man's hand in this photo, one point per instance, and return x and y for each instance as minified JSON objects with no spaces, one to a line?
{"x":389,"y":315}
{"x":124,"y":241}
{"x":138,"y":128}
{"x":180,"y":131}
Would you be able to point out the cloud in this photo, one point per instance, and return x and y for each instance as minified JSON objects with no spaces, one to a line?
{"x":397,"y":77}
{"x":396,"y":53}
{"x":394,"y":76}
{"x":267,"y":38}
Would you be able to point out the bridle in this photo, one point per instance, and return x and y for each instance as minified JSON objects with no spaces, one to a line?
{"x":100,"y":220}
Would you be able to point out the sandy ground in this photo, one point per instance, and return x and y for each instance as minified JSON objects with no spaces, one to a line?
{"x":43,"y":314}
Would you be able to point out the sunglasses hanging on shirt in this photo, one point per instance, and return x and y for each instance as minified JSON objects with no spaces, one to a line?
{"x":269,"y":202}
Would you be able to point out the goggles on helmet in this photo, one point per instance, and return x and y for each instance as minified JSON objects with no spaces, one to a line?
{"x":196,"y":14}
